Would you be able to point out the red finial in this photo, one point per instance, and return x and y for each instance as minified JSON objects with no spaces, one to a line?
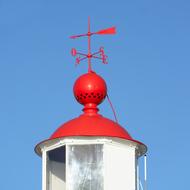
{"x":90,"y":90}
{"x":97,"y":55}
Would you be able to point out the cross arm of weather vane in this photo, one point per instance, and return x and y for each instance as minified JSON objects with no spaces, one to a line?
{"x":97,"y":55}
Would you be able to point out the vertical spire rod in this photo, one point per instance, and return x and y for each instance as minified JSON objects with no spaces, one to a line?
{"x":89,"y":47}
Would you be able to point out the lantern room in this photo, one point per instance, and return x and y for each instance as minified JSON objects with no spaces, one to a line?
{"x":90,"y":152}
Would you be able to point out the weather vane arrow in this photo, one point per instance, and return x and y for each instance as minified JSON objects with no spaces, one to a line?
{"x":97,"y":55}
{"x":111,"y":30}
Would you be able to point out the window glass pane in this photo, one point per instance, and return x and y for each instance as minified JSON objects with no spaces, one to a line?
{"x":85,"y":167}
{"x":56,"y":169}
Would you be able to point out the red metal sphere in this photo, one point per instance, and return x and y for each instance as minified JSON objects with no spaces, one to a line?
{"x":90,"y":88}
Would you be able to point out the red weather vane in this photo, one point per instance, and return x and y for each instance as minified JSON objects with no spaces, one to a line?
{"x":97,"y":55}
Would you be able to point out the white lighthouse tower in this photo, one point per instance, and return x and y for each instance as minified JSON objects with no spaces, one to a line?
{"x":90,"y":152}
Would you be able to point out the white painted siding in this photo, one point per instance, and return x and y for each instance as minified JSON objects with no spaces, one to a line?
{"x":120,"y":167}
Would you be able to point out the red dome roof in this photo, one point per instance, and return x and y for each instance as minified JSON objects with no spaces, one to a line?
{"x":91,"y":125}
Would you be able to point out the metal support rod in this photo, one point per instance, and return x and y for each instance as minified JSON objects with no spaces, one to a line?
{"x":141,"y":185}
{"x":111,"y":105}
{"x":44,"y":163}
{"x":138,"y":180}
{"x":145,"y":172}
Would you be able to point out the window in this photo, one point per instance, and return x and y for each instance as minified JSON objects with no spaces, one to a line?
{"x":56,"y":169}
{"x":85,"y":167}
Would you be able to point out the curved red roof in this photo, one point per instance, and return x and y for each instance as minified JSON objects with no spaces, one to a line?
{"x":87,"y":125}
{"x":91,"y":125}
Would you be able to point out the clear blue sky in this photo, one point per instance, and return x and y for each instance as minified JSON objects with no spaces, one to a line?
{"x":148,"y":77}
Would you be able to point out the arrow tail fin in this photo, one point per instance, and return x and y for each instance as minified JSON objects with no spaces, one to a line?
{"x":111,"y":30}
